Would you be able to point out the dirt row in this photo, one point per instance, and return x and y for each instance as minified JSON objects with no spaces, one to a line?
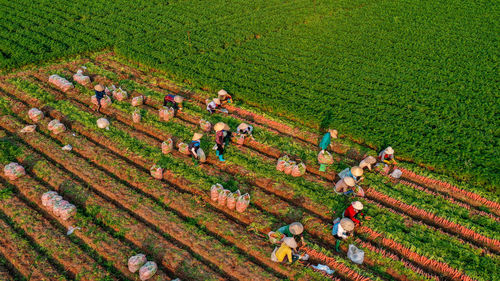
{"x":153,"y":214}
{"x":466,"y":196}
{"x":318,"y":230}
{"x":114,"y":114}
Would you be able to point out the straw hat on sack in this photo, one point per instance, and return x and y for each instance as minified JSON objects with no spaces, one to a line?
{"x":197,"y":136}
{"x":333,"y":133}
{"x":296,"y":228}
{"x":243,"y":126}
{"x":357,"y":205}
{"x":347,"y":224}
{"x":221,"y":126}
{"x":349,"y":181}
{"x":178,"y":99}
{"x":290,"y":242}
{"x":222,"y":93}
{"x":356,"y":171}
{"x":216,"y":101}
{"x":99,"y":88}
{"x":389,"y":150}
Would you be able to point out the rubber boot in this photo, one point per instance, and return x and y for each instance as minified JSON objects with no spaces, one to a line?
{"x":337,"y":245}
{"x":322,"y":167}
{"x":217,"y":152}
{"x":221,"y":158}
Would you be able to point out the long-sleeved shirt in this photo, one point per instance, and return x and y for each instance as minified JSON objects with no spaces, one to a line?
{"x":284,"y":251}
{"x":211,"y":106}
{"x":341,"y":186}
{"x":339,"y":231}
{"x":247,"y":131}
{"x":194,"y":145}
{"x":384,"y":156}
{"x":219,"y":137}
{"x":99,"y":94}
{"x":325,"y":141}
{"x":285,"y":230}
{"x":351,"y":213}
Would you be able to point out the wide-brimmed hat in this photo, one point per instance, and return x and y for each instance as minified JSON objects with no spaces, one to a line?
{"x":243,"y":126}
{"x":357,"y":205}
{"x":347,"y":224}
{"x":333,"y":133}
{"x":370,"y":160}
{"x":99,"y":88}
{"x":389,"y":150}
{"x":216,"y":101}
{"x":356,"y":171}
{"x":197,"y":136}
{"x":290,"y":242}
{"x":222,"y":92}
{"x":178,"y":99}
{"x":296,"y":228}
{"x":349,"y":181}
{"x":221,"y":126}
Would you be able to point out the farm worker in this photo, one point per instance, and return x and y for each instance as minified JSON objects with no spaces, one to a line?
{"x":355,"y":172}
{"x":194,"y":145}
{"x":222,"y":137}
{"x":341,"y":230}
{"x":224,"y":97}
{"x":353,"y":211}
{"x":367,"y":162}
{"x":292,"y":230}
{"x":174,"y":101}
{"x":213,"y":106}
{"x":244,"y":130}
{"x":285,"y":250}
{"x":387,"y":155}
{"x":345,"y":185}
{"x":99,"y":94}
{"x":326,"y":140}
{"x":325,"y":143}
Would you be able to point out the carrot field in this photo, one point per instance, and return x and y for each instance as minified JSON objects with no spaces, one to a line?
{"x":423,"y":227}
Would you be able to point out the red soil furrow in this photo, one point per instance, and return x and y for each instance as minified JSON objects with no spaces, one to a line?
{"x":466,"y":196}
{"x":432,"y":219}
{"x":28,"y":262}
{"x":182,"y":204}
{"x":313,"y":208}
{"x":115,"y":252}
{"x":5,"y":274}
{"x":172,"y":257}
{"x":453,"y":191}
{"x":77,"y":263}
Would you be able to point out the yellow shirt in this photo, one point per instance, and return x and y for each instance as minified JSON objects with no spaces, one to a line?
{"x":283,"y":251}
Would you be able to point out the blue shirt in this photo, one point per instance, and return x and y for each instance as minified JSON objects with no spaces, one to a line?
{"x":99,"y":95}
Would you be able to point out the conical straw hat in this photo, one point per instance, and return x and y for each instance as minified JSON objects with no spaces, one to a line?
{"x":197,"y":136}
{"x":357,"y":205}
{"x":243,"y":126}
{"x":216,"y":101}
{"x":99,"y":88}
{"x":389,"y":150}
{"x":178,"y":99}
{"x":222,"y":93}
{"x":220,"y":126}
{"x":347,"y":224}
{"x":356,"y":171}
{"x":290,"y":242}
{"x":296,"y":228}
{"x":349,"y":181}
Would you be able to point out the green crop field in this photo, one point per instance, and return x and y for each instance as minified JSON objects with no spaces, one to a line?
{"x":421,"y":76}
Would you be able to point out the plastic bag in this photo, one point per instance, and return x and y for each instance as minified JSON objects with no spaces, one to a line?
{"x":167,"y":146}
{"x":166,"y":113}
{"x":13,"y":171}
{"x":298,"y":170}
{"x":137,"y":101}
{"x":156,"y":172}
{"x":136,"y":117}
{"x":53,"y":200}
{"x":46,"y":196}
{"x":243,"y":202}
{"x":289,"y":167}
{"x":147,"y":270}
{"x":103,"y":123}
{"x":72,"y":229}
{"x":28,"y":129}
{"x":396,"y":174}
{"x":205,"y":125}
{"x":35,"y":115}
{"x":223,"y":193}
{"x":58,"y":206}
{"x":214,"y":191}
{"x":67,"y":211}
{"x":105,"y":101}
{"x":342,"y":174}
{"x":231,"y":199}
{"x":355,"y":255}
{"x":324,"y":268}
{"x":201,"y":155}
{"x":120,"y":94}
{"x":183,"y":148}
{"x":80,"y":78}
{"x":135,"y":262}
{"x":51,"y":124}
{"x":280,"y":166}
{"x":60,"y":82}
{"x":67,"y":147}
{"x":325,"y":158}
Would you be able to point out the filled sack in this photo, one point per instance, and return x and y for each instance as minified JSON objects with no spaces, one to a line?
{"x":205,"y":125}
{"x":243,"y":202}
{"x":51,"y":124}
{"x":298,"y":170}
{"x":53,"y":200}
{"x":289,"y":167}
{"x":61,"y":83}
{"x":35,"y":115}
{"x":157,"y":172}
{"x":119,"y":94}
{"x":135,"y":262}
{"x":103,"y":123}
{"x":325,"y":158}
{"x":231,"y":199}
{"x":214,"y":191}
{"x":46,"y":196}
{"x":137,"y":101}
{"x":166,"y":113}
{"x":67,"y":211}
{"x":223,"y":193}
{"x":80,"y":78}
{"x":136,"y":116}
{"x":28,"y":129}
{"x":105,"y":101}
{"x":58,"y":128}
{"x":167,"y":146}
{"x":183,"y":148}
{"x":13,"y":171}
{"x":147,"y":270}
